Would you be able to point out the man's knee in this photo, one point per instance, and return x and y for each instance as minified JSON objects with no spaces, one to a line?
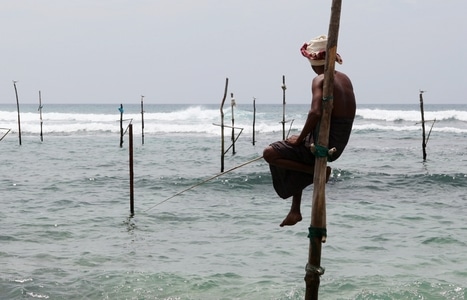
{"x":269,"y":154}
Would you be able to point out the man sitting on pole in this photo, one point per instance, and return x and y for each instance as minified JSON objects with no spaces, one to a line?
{"x":291,"y":161}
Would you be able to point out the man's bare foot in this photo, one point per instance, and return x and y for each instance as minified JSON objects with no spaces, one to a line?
{"x":291,"y":219}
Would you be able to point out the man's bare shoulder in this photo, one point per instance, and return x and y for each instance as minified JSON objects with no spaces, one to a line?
{"x":319,"y":77}
{"x":337,"y":76}
{"x":318,"y":81}
{"x":341,"y":76}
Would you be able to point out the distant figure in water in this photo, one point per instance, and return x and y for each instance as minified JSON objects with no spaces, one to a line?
{"x":291,"y":161}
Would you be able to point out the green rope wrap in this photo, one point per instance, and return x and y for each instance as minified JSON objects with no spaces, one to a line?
{"x":314,"y":232}
{"x":328,"y":98}
{"x":321,"y":151}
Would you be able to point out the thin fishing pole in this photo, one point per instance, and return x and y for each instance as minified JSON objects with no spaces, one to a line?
{"x":290,"y":128}
{"x":8,"y":130}
{"x":428,"y":137}
{"x":202,"y":182}
{"x":128,"y":126}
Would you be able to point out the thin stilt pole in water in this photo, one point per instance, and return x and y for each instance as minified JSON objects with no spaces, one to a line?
{"x":121,"y":125}
{"x":40,"y":114}
{"x":222,"y":124}
{"x":254,"y":119}
{"x":17,"y":108}
{"x":232,"y":105}
{"x":425,"y":137}
{"x":317,"y":230}
{"x":142,"y":120}
{"x":423,"y":126}
{"x":132,"y":194}
{"x":284,"y":87}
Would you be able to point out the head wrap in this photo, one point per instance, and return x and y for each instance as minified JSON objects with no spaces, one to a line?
{"x":315,"y":51}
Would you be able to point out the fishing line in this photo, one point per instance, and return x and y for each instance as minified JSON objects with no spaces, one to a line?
{"x":202,"y":182}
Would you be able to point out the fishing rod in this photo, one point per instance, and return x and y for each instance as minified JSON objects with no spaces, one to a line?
{"x":202,"y":182}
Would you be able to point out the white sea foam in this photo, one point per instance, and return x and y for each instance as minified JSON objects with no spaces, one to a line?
{"x":411,"y":115}
{"x":203,"y":119}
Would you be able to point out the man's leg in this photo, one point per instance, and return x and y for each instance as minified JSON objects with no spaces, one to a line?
{"x":294,"y":216}
{"x":275,"y":159}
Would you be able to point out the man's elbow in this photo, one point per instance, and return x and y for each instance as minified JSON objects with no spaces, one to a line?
{"x":314,"y":114}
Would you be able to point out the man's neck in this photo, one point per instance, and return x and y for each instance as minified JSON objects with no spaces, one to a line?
{"x":318,"y":69}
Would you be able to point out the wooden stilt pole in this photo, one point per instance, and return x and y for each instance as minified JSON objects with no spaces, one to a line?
{"x":232,"y":105}
{"x":17,"y":108}
{"x":40,"y":114}
{"x":222,"y":124}
{"x":121,"y":125}
{"x":318,"y":213}
{"x":142,"y":120}
{"x":423,"y":126}
{"x":283,"y":106}
{"x":254,"y":119}
{"x":130,"y":146}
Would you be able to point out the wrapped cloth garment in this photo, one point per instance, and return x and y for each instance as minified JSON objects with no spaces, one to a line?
{"x":288,"y":182}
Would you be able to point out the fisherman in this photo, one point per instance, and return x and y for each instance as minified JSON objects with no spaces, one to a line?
{"x":291,"y":161}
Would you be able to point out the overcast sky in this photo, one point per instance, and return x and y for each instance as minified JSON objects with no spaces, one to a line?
{"x":181,"y":51}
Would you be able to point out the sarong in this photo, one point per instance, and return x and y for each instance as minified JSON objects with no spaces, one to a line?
{"x":287,"y":182}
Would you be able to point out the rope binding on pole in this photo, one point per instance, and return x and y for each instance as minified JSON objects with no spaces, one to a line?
{"x":317,"y":232}
{"x":317,"y":270}
{"x":322,"y":151}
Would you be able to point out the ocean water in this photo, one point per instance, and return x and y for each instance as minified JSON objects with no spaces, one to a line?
{"x":396,"y":224}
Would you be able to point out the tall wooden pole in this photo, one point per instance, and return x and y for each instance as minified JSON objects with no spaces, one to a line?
{"x":121,"y":125}
{"x":232,"y":105}
{"x":17,"y":108}
{"x":423,"y":126}
{"x":142,"y":120}
{"x":254,"y":119}
{"x":130,"y":147}
{"x":222,"y":124}
{"x":283,"y":106}
{"x":40,"y":113}
{"x":317,"y":228}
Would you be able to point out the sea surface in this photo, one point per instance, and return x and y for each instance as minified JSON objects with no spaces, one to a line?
{"x":397,"y":224}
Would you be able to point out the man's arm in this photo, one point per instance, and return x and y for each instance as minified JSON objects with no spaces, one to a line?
{"x":314,"y":115}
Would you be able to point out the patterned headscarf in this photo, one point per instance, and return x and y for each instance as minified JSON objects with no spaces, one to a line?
{"x":315,"y":51}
